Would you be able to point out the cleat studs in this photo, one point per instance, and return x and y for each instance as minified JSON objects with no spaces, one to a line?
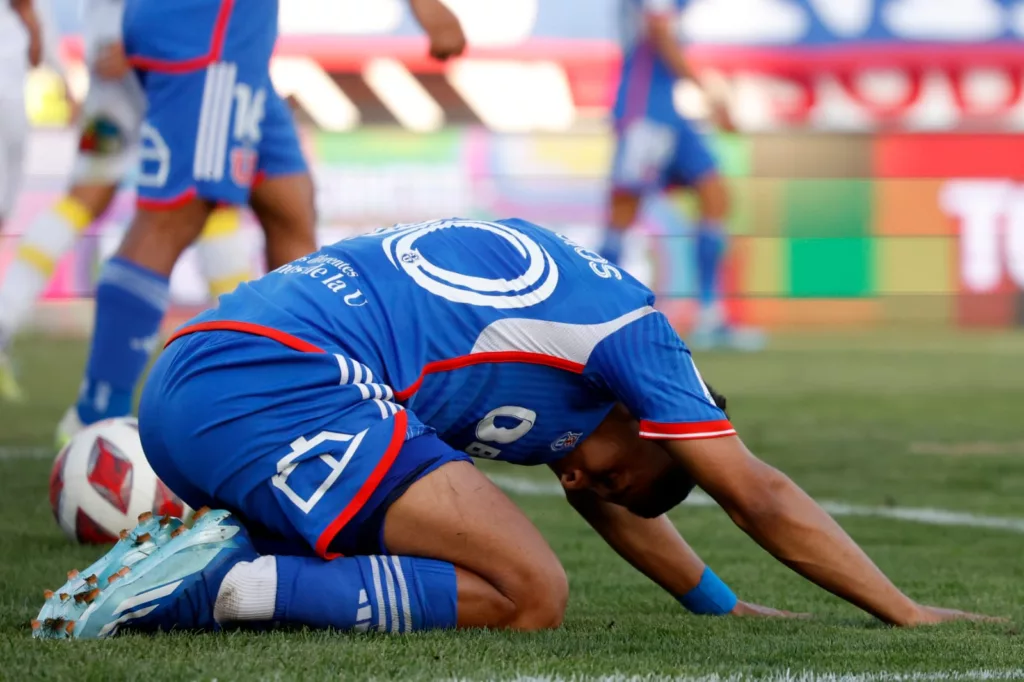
{"x":125,"y":570}
{"x":200,"y":513}
{"x":47,"y":594}
{"x":145,"y":516}
{"x":64,"y":596}
{"x":79,"y":597}
{"x":123,"y":534}
{"x":112,"y":578}
{"x":35,"y":625}
{"x":166,"y":520}
{"x":144,"y":538}
{"x":177,"y":531}
{"x":70,"y":627}
{"x":72,"y":574}
{"x":91,"y":595}
{"x":92,"y":579}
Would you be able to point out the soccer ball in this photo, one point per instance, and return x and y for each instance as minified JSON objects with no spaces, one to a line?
{"x":101,"y":482}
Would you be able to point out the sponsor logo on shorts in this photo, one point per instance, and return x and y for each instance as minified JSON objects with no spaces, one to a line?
{"x":567,"y":441}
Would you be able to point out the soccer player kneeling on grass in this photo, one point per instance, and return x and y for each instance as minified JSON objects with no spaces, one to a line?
{"x":329,"y":411}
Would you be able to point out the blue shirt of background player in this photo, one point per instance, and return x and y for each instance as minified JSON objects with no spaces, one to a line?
{"x":646,"y":83}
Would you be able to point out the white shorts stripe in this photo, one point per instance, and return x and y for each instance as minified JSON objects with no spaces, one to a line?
{"x":364,"y":391}
{"x":404,"y":591}
{"x":391,"y":594}
{"x":357,"y":372}
{"x":393,"y":407}
{"x":369,"y":375}
{"x":388,"y":393}
{"x":343,"y":367}
{"x":223,"y":123}
{"x":379,"y":594}
{"x":383,"y":409}
{"x":377,"y":392}
{"x":200,"y":162}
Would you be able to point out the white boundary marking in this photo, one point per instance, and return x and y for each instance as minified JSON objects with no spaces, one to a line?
{"x":26,"y":452}
{"x":926,"y":515}
{"x":525,"y":486}
{"x":787,"y":676}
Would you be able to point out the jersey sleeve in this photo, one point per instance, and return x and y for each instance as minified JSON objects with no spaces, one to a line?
{"x":649,"y":369}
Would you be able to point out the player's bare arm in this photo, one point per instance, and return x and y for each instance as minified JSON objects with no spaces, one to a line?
{"x":663,"y":35}
{"x":655,"y":548}
{"x":442,"y":26}
{"x":27,"y":13}
{"x":112,"y":62}
{"x":789,"y":524}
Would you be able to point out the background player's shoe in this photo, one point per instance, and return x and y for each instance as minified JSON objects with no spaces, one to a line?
{"x":69,"y":426}
{"x":175,"y":585}
{"x":10,"y":391}
{"x":713,"y":332}
{"x":67,"y":604}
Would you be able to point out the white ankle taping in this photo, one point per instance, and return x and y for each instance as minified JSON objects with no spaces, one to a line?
{"x":248,"y":593}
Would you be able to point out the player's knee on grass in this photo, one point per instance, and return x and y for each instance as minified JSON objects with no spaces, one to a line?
{"x":286,"y":209}
{"x":156,"y":239}
{"x":457,"y":514}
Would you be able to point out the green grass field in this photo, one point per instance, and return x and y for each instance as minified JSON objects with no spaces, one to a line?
{"x":880,"y":423}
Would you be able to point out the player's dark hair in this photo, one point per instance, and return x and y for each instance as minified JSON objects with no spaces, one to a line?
{"x":719,"y":399}
{"x":674,"y":487}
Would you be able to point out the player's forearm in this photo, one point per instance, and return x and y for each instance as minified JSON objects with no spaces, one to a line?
{"x":652,"y":546}
{"x":662,"y":37}
{"x":432,"y":14}
{"x":798,"y":532}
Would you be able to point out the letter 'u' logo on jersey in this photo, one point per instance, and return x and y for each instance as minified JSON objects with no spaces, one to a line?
{"x":532,"y":285}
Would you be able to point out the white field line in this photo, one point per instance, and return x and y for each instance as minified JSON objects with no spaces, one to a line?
{"x":788,"y":676}
{"x":26,"y":452}
{"x":526,"y":486}
{"x":933,"y":517}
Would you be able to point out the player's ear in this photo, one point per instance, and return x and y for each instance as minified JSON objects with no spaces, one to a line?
{"x":570,"y":476}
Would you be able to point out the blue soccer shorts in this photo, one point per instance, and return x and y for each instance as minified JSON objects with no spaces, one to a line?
{"x":652,"y":155}
{"x":214,"y":122}
{"x":305,"y":446}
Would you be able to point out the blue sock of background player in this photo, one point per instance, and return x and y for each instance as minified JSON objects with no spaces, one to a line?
{"x":130,"y":304}
{"x":709,"y":247}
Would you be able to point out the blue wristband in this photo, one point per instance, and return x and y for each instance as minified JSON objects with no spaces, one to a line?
{"x":711,"y":597}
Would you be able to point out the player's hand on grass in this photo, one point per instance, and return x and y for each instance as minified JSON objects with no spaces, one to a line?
{"x":933,"y":615}
{"x":112,"y":63}
{"x":743,"y":608}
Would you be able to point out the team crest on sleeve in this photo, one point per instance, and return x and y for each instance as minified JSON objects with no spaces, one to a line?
{"x":567,"y":441}
{"x":532,"y":285}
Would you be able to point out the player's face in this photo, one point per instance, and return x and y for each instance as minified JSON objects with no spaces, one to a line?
{"x":618,"y":466}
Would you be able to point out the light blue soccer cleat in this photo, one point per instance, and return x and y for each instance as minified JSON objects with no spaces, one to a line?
{"x":161,"y":578}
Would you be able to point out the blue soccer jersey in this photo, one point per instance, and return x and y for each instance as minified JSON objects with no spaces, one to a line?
{"x":309,"y":400}
{"x":511,"y":341}
{"x":646,"y":82}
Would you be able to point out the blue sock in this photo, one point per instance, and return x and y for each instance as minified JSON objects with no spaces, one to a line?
{"x":382,"y":593}
{"x":611,"y":249}
{"x":710,"y":249}
{"x":130,"y":303}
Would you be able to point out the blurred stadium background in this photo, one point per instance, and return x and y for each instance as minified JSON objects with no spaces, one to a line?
{"x":875,"y":177}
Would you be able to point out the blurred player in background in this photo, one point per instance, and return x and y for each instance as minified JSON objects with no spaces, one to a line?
{"x":215,"y":133}
{"x":107,"y":154}
{"x":657,"y":148}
